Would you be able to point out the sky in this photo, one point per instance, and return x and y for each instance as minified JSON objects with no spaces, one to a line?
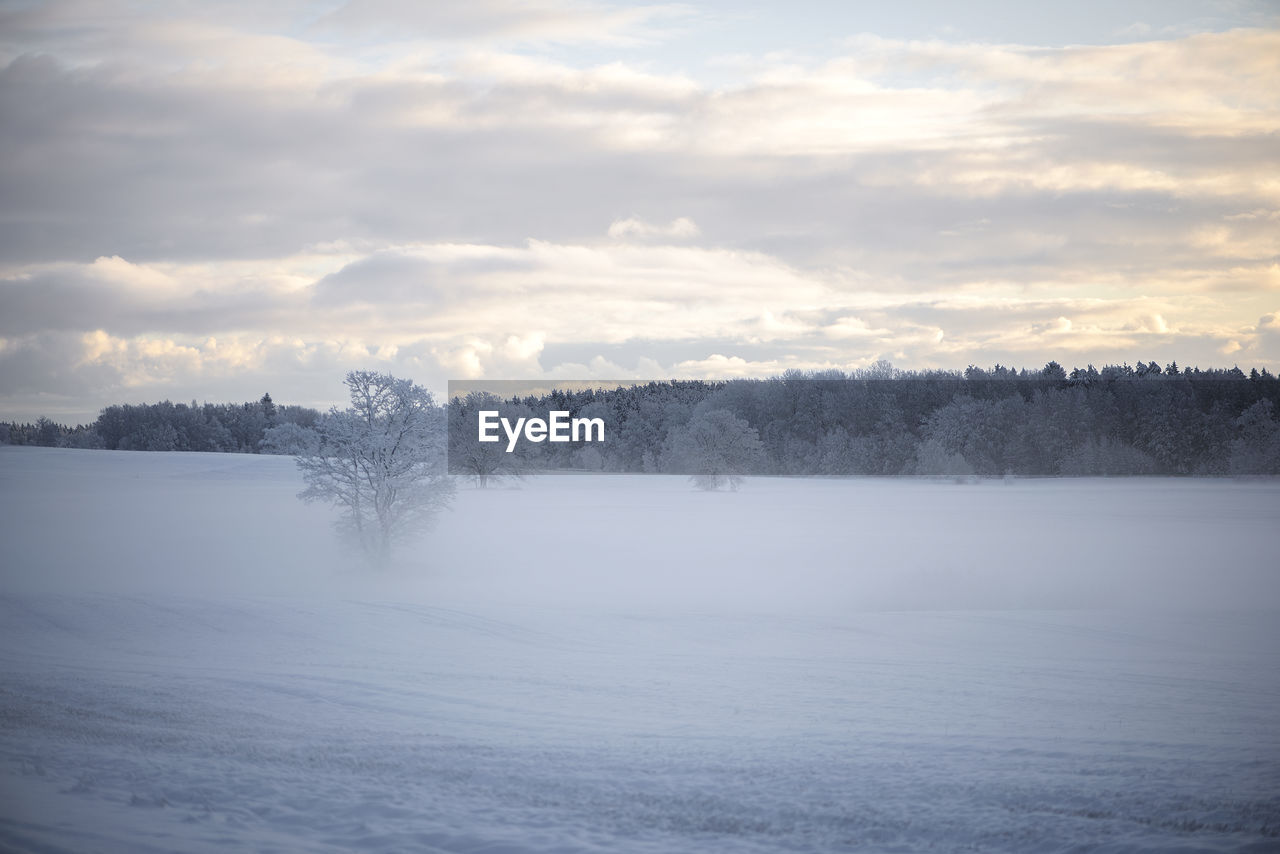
{"x":211,"y":201}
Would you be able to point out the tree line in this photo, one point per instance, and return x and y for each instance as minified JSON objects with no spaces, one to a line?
{"x":1117,"y":420}
{"x":216,"y":427}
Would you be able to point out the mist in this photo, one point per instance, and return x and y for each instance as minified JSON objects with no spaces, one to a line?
{"x":205,"y":524}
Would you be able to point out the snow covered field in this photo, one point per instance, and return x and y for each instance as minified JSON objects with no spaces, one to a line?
{"x":598,"y":663}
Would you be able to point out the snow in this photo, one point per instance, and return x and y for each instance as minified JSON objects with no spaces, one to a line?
{"x":596,"y":663}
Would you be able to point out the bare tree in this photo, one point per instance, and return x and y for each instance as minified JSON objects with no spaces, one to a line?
{"x":382,"y":461}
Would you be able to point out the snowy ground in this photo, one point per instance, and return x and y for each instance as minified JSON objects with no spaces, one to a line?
{"x":187,"y":663}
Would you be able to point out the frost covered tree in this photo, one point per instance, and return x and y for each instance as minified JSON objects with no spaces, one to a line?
{"x":1257,"y":450}
{"x":933,"y":458}
{"x":716,"y":447}
{"x":289,"y":439}
{"x":486,"y":461}
{"x":381,"y":461}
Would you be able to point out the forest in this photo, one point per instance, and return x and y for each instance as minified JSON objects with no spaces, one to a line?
{"x":237,"y":428}
{"x":1117,"y":420}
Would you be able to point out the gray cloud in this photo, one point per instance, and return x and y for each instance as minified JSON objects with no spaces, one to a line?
{"x":76,"y":300}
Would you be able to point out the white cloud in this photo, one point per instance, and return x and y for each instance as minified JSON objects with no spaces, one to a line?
{"x":852,"y":327}
{"x":717,"y":365}
{"x":681,"y":228}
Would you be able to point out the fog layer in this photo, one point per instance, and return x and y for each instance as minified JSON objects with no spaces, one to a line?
{"x":92,"y":521}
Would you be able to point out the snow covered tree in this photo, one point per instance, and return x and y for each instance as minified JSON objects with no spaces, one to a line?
{"x":268,"y":408}
{"x":1257,"y":450}
{"x":933,"y":458}
{"x":288,"y":438}
{"x":381,"y":461}
{"x":486,"y":461}
{"x":716,"y":447}
{"x":1057,"y":373}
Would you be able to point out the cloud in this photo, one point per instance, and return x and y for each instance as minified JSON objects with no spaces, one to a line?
{"x":473,"y":311}
{"x":426,"y":277}
{"x":717,"y":365}
{"x":853,"y":327}
{"x":399,"y":155}
{"x":681,"y":228}
{"x":541,"y":21}
{"x":1153,"y":323}
{"x":196,"y":202}
{"x":1260,"y":342}
{"x":131,"y":298}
